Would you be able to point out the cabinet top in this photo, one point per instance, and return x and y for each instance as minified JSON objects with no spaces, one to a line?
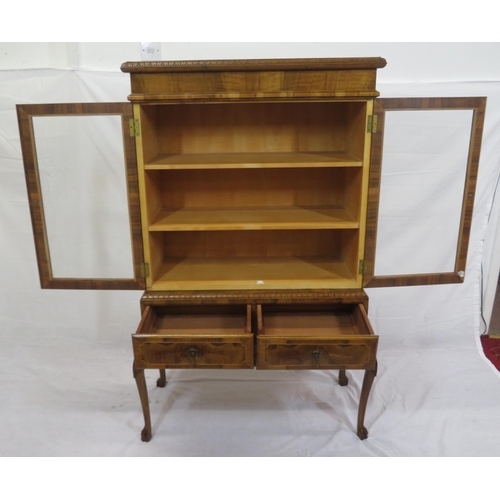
{"x":348,"y":63}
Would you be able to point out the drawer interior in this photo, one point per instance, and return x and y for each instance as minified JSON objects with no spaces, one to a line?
{"x":196,"y":320}
{"x":320,"y":321}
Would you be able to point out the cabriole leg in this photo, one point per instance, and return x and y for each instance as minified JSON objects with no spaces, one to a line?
{"x":162,"y":381}
{"x":363,"y":400}
{"x":343,"y":380}
{"x":140,"y":380}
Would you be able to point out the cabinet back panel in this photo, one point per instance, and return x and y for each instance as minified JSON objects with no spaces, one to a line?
{"x":283,"y":243}
{"x":262,"y":188}
{"x":255,"y":127}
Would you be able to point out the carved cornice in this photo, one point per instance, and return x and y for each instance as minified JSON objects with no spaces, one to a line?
{"x":254,"y":65}
{"x":255,"y":296}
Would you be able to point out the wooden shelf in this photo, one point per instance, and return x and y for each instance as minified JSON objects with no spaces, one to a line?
{"x":253,"y":218}
{"x":253,"y":273}
{"x":253,"y":160}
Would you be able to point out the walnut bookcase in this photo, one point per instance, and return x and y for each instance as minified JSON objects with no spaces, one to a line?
{"x":253,"y":192}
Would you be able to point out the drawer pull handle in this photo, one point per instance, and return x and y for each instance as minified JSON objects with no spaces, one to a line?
{"x":193,"y":353}
{"x":316,"y":355}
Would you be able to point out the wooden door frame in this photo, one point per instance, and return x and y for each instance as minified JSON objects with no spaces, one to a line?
{"x":25,"y":115}
{"x":478,"y":106}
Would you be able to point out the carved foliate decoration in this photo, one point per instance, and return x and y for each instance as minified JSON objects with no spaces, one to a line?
{"x":255,"y":64}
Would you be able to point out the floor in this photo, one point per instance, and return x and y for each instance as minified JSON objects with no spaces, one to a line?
{"x":72,"y":397}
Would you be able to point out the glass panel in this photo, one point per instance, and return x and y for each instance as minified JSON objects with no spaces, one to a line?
{"x":82,"y":176}
{"x":422,"y":188}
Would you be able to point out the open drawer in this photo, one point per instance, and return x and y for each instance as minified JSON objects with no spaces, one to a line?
{"x":334,"y":337}
{"x":194,"y":337}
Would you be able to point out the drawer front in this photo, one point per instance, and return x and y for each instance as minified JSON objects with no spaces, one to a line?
{"x":153,"y":352}
{"x":321,"y":354}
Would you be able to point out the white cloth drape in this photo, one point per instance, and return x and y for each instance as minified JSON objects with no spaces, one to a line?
{"x":66,"y":381}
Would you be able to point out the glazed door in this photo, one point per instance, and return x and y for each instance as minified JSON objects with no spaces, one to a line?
{"x":425,"y":156}
{"x":81,"y":175}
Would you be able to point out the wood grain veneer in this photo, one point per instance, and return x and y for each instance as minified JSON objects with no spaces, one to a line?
{"x":252,"y":79}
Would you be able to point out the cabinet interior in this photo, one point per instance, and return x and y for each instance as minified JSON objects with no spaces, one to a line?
{"x":226,"y":134}
{"x":253,"y":195}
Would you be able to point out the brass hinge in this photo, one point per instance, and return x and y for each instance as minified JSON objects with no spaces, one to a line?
{"x":144,"y":270}
{"x":362,"y":267}
{"x":372,"y":124}
{"x":133,"y":125}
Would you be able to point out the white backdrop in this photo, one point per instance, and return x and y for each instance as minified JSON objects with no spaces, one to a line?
{"x":67,"y":386}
